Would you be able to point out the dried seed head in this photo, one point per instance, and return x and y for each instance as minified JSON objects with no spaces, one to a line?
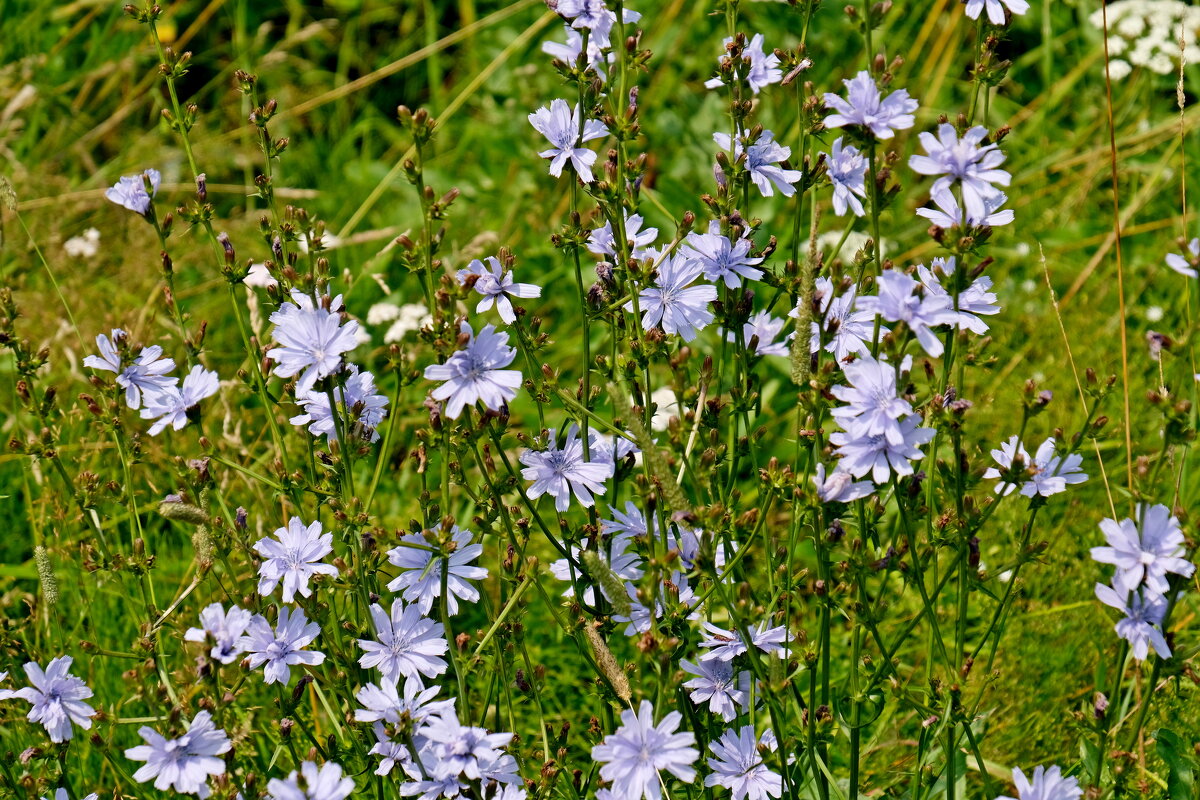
{"x":46,"y":576}
{"x":608,"y":664}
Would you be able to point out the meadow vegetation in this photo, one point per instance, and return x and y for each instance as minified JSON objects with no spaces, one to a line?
{"x":715,"y":416}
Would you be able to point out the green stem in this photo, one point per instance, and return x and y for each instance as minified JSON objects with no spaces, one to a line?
{"x":463,"y":706}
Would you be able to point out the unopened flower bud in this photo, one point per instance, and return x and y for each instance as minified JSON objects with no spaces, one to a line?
{"x":230,"y":256}
{"x":1100,"y":705}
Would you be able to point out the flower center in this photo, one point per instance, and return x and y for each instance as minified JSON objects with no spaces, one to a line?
{"x":279,"y":649}
{"x":293,"y":560}
{"x":559,"y":462}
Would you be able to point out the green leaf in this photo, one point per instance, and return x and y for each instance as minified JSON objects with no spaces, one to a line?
{"x":1089,"y":755}
{"x":1180,"y":777}
{"x":18,"y":571}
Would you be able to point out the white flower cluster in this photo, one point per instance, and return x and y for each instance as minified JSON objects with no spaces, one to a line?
{"x":1146,"y":33}
{"x":84,"y":246}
